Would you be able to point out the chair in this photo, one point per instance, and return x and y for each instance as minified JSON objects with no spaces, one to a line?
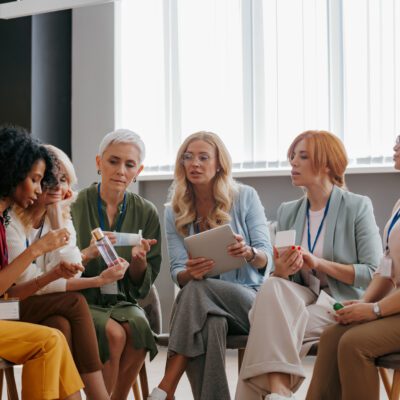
{"x":390,"y":361}
{"x":152,"y":307}
{"x":7,"y":369}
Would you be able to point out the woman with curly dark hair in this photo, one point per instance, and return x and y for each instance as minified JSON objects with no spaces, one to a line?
{"x":49,"y":371}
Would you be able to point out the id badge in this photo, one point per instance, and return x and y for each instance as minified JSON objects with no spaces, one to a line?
{"x":110,"y":288}
{"x":385,"y":266}
{"x":315,"y":284}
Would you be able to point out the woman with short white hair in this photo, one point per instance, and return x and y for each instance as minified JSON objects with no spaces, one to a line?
{"x":123,"y":332}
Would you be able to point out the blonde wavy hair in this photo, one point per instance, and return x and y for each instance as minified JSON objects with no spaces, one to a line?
{"x":60,"y":159}
{"x":182,"y":194}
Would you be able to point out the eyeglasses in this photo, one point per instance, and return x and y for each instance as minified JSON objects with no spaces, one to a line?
{"x":189,"y":158}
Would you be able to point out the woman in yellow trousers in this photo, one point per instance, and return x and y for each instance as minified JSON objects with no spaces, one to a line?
{"x":49,"y":371}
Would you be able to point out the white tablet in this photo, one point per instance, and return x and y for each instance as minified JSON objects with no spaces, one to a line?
{"x":213,"y":244}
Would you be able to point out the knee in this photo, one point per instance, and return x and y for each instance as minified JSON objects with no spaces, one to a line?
{"x":348,"y":347}
{"x":78,"y":302}
{"x":116,"y":337}
{"x":55,"y":339}
{"x":216,"y":325}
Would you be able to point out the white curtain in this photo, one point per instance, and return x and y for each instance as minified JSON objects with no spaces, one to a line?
{"x":258,"y":72}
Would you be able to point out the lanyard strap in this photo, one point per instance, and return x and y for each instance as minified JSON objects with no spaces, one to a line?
{"x":312,"y":247}
{"x":39,"y":235}
{"x":100,"y":212}
{"x":391,"y":226}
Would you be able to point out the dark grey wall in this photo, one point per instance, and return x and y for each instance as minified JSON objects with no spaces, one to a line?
{"x":382,"y":188}
{"x":35,"y":76}
{"x":51,"y":78}
{"x":15,"y":71}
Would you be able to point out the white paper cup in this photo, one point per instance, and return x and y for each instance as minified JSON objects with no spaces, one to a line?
{"x":70,"y":254}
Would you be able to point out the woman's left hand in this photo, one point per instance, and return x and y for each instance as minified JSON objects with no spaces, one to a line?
{"x":139,"y":253}
{"x":356,"y":312}
{"x":240,"y":248}
{"x":310,"y":261}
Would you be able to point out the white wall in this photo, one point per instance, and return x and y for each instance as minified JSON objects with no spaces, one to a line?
{"x":93,"y":97}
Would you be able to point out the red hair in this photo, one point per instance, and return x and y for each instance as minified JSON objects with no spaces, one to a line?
{"x":326,"y":151}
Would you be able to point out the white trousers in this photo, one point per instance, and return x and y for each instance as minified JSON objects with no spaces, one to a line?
{"x":284,"y":323}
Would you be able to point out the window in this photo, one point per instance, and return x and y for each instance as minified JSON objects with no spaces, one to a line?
{"x":258,"y":72}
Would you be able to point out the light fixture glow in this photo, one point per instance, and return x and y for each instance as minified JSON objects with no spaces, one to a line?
{"x":23,"y":8}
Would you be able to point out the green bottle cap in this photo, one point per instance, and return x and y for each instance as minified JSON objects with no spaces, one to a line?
{"x":337,"y":306}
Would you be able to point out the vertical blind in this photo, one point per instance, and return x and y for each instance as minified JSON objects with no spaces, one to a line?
{"x":258,"y":72}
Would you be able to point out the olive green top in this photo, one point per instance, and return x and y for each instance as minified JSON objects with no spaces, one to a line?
{"x":139,"y":214}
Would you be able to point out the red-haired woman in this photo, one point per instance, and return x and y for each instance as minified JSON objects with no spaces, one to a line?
{"x":337,"y":250}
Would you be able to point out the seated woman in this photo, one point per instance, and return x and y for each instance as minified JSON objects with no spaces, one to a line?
{"x":49,"y":371}
{"x":204,"y":196}
{"x":369,"y":328}
{"x":123,"y":332}
{"x":67,"y":312}
{"x":337,"y":250}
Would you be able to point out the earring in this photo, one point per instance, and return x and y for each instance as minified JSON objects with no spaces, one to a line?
{"x":98,"y":172}
{"x":134,"y":180}
{"x":218,"y":169}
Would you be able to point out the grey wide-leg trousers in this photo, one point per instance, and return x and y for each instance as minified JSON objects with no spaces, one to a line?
{"x":204,"y":313}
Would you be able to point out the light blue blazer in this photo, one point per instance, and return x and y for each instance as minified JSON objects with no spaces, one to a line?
{"x":351,"y":237}
{"x":247,"y":219}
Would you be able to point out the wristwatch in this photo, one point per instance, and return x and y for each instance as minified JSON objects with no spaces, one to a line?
{"x":377,"y":310}
{"x":253,"y":257}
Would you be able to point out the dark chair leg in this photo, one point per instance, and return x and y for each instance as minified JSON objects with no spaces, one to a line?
{"x":144,"y":384}
{"x":240,"y":358}
{"x":11,"y":386}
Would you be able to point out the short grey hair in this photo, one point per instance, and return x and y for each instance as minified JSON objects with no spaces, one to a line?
{"x":123,"y":136}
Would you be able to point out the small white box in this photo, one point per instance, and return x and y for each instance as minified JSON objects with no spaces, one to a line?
{"x":285,"y":239}
{"x":9,"y":309}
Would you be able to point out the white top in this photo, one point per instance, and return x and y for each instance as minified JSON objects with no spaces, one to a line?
{"x":394,"y":247}
{"x":315,"y":221}
{"x":16,"y":243}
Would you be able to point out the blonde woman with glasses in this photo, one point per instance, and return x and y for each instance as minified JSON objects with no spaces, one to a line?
{"x":206,"y":310}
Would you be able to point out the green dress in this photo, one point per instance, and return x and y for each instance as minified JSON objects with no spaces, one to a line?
{"x":122,"y":307}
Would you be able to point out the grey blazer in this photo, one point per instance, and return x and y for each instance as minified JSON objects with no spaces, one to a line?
{"x":351,"y":237}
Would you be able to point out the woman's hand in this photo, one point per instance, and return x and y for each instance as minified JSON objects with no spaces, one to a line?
{"x":310,"y":261}
{"x":356,"y":312}
{"x":92,"y":251}
{"x":198,"y":267}
{"x":240,"y":248}
{"x":51,"y":241}
{"x":67,"y":270}
{"x":114,"y":273}
{"x":287,"y":262}
{"x":139,"y":253}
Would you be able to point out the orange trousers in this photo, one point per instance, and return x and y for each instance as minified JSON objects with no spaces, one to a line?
{"x":48,"y":370}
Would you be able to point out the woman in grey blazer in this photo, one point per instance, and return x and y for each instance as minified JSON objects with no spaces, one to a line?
{"x":337,"y":250}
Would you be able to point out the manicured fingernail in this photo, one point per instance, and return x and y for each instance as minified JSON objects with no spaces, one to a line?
{"x":293,"y":247}
{"x":299,"y":248}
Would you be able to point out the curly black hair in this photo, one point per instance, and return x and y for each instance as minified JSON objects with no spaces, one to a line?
{"x":18,"y":153}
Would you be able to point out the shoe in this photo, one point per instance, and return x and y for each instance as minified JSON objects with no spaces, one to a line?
{"x":157,"y":394}
{"x":276,"y":396}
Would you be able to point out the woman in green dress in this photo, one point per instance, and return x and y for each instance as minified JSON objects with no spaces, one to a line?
{"x":123,"y":332}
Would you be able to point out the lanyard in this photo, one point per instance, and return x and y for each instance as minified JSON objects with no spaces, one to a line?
{"x":39,"y":235}
{"x":312,"y":247}
{"x":395,"y":218}
{"x":100,"y":212}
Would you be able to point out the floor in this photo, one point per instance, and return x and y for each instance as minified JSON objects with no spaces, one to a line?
{"x":156,"y":368}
